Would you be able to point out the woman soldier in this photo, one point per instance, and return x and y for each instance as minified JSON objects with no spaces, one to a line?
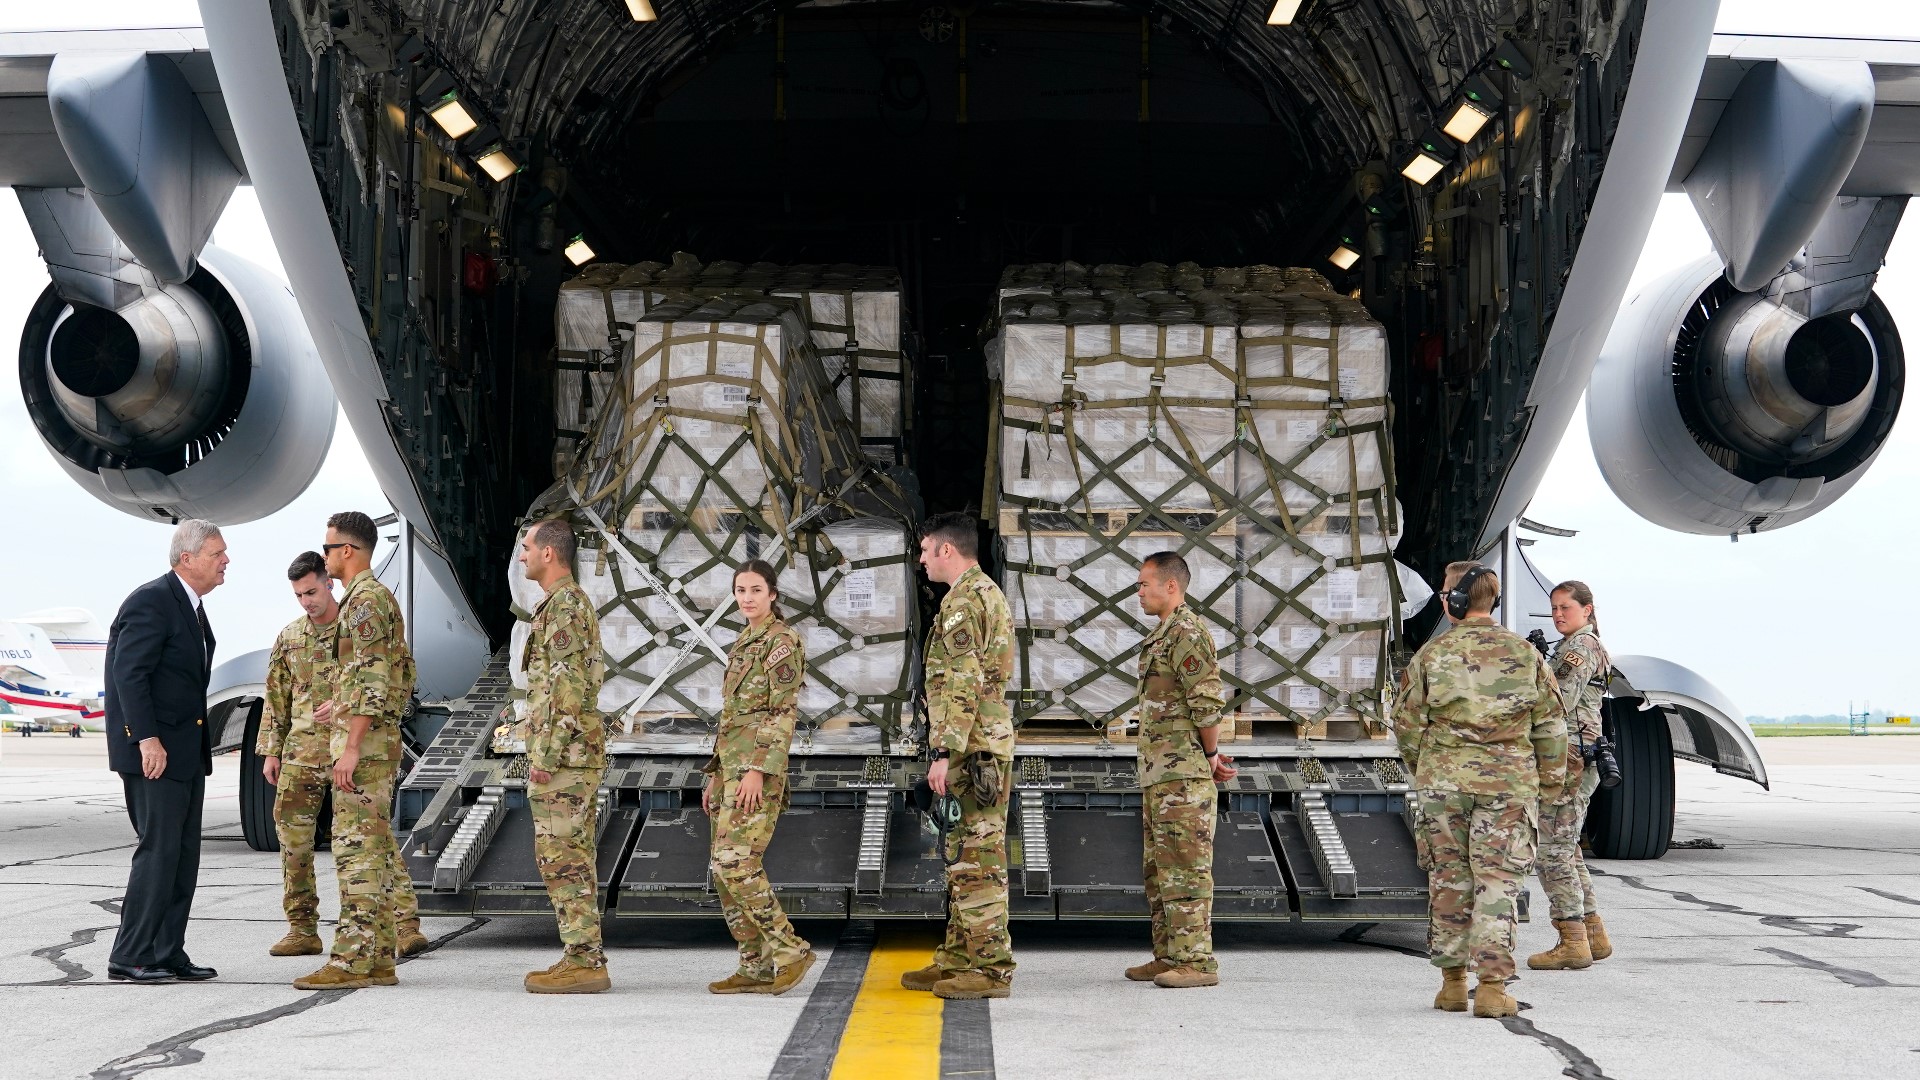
{"x":1580,"y":664}
{"x":747,"y":787}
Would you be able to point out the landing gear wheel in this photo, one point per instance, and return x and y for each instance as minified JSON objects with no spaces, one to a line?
{"x":1635,"y":819}
{"x":256,"y":796}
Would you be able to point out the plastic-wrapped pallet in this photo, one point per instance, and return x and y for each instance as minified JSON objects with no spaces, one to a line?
{"x":1247,"y":404}
{"x":853,"y":315}
{"x":722,"y":442}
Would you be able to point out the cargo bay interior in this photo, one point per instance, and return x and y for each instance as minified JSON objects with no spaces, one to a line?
{"x":945,"y":145}
{"x":949,"y":143}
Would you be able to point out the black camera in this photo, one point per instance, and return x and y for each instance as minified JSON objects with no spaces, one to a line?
{"x":1598,"y":754}
{"x":1539,"y":641}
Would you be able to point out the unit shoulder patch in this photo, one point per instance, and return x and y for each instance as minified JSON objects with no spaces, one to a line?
{"x":562,"y":640}
{"x":784,"y":673}
{"x":961,"y":639}
{"x":1191,"y":665}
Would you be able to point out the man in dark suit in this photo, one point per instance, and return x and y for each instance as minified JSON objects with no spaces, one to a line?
{"x":159,"y":656}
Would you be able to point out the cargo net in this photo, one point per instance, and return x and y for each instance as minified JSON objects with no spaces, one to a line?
{"x":853,"y":317}
{"x":724,"y":442}
{"x":1238,"y":417}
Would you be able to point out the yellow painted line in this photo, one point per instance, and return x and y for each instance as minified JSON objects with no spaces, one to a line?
{"x":892,"y":1032}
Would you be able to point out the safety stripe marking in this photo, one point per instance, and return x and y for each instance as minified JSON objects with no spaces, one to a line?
{"x":893,"y":1032}
{"x":810,"y":1047}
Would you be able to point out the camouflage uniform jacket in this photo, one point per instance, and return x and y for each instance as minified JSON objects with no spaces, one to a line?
{"x":762,"y":689}
{"x":299,"y":678}
{"x":1580,"y":664}
{"x":375,"y":676}
{"x":969,"y":660}
{"x":565,"y":667}
{"x":1479,"y":713}
{"x":1180,"y":693}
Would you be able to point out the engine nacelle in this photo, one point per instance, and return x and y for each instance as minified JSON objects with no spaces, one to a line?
{"x":1717,"y":411}
{"x":205,"y":399}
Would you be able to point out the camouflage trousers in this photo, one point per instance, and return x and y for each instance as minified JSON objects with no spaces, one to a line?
{"x":376,"y":892}
{"x":1478,"y":850}
{"x":1563,"y":873}
{"x":565,"y":821}
{"x":767,"y":941}
{"x":1177,"y":821}
{"x":976,"y":856}
{"x":297,"y":799}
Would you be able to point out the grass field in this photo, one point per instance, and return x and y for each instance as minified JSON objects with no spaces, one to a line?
{"x":1763,"y":731}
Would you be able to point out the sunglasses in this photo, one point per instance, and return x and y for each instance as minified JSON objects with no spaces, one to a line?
{"x":327,"y":549}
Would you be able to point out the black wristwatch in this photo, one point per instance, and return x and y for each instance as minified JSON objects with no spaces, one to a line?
{"x":1211,"y":754}
{"x":940,"y":755}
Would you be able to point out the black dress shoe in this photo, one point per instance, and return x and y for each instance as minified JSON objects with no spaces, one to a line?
{"x":125,"y":973}
{"x":192,"y":972}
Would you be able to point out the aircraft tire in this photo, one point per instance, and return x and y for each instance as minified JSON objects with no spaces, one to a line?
{"x":256,"y":798}
{"x":1635,"y":819}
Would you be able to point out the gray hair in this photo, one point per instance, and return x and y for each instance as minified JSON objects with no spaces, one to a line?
{"x":189,"y":537}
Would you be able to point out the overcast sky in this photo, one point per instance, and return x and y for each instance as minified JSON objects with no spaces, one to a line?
{"x":1801,"y":620}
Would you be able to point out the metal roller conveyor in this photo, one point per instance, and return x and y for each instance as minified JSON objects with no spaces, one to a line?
{"x":470,"y":841}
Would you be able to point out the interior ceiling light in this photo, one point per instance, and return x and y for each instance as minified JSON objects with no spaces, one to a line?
{"x":498,"y":163}
{"x":642,"y":10}
{"x":453,"y":117}
{"x":1466,"y":122}
{"x":1423,"y":168}
{"x":577,"y":250}
{"x":1283,"y":12}
{"x":1344,"y":257}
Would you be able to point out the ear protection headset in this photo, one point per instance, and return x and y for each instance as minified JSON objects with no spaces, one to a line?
{"x":1456,"y":597}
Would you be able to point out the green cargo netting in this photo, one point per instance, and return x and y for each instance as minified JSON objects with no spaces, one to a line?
{"x":1239,"y":417}
{"x":722,"y":441}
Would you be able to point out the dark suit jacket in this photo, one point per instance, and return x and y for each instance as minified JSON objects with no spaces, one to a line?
{"x":157,"y":670}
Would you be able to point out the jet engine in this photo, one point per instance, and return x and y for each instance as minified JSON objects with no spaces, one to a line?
{"x":1717,"y":411}
{"x":204,"y":399}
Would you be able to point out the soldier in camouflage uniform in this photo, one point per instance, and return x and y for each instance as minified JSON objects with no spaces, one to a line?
{"x":1480,"y":725}
{"x":1180,"y":701}
{"x":1580,"y":666}
{"x":566,"y":757}
{"x":373,"y":684}
{"x":295,"y":750}
{"x":747,"y":787}
{"x":968,"y":662}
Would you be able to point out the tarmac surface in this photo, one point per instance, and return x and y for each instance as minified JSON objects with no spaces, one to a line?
{"x":1791,"y":950}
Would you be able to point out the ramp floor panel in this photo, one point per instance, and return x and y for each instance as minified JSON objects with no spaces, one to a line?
{"x":1097,"y":872}
{"x":811,"y":863}
{"x":1392,"y":885}
{"x":915,"y":885}
{"x":507,"y":880}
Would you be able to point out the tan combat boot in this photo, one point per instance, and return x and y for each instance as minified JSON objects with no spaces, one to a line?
{"x":1571,"y":953}
{"x":332,"y":977}
{"x":411,"y":942}
{"x":971,"y":986}
{"x":297,"y":943}
{"x":1453,"y":990}
{"x":1185,"y":976}
{"x":1490,"y":998}
{"x":1147,"y":971}
{"x":789,"y":977}
{"x":1597,"y":941}
{"x":923,"y":978}
{"x":569,"y":979}
{"x":740,"y":984}
{"x":383,"y":975}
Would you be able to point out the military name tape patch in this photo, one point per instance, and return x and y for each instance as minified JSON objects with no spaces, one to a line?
{"x":1575,"y":659}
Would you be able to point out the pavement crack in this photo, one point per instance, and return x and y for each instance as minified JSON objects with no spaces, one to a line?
{"x":1850,"y":976}
{"x":177,"y":1050}
{"x":1813,"y":928}
{"x":1884,"y":895}
{"x":111,"y":905}
{"x":70,"y":972}
{"x":1356,"y":935}
{"x":1579,"y":1065}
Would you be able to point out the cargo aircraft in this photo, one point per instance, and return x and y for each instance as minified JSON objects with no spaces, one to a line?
{"x":1481,"y":174}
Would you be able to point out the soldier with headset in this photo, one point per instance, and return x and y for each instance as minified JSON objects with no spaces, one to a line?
{"x":1481,"y":727}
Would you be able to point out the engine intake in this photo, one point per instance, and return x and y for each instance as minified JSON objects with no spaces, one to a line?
{"x":1717,"y":411}
{"x":205,"y":399}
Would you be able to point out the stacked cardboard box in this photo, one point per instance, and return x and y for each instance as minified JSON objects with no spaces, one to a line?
{"x":721,"y":439}
{"x":1237,"y":416}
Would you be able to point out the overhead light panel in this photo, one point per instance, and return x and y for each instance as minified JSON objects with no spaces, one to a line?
{"x":1283,"y":12}
{"x":1344,"y":257}
{"x":1423,"y":168}
{"x":498,"y":163}
{"x":453,"y":117}
{"x":578,"y":253}
{"x":1466,"y":122}
{"x":642,"y":10}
